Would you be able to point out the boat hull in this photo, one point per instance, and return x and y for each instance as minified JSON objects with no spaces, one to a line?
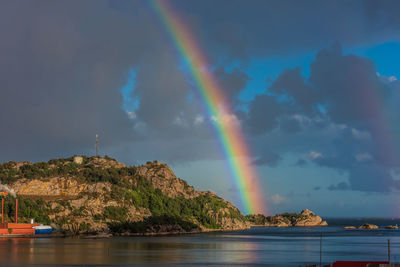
{"x":17,"y":231}
{"x":43,"y":231}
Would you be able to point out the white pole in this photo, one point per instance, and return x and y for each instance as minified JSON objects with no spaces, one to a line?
{"x":97,"y":144}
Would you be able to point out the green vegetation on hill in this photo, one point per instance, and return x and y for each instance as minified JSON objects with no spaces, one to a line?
{"x":64,"y":167}
{"x":289,"y":218}
{"x":163,"y":207}
{"x":258,"y":219}
{"x":143,"y":195}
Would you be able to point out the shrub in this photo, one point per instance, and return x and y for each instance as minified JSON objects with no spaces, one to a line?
{"x":152,"y":223}
{"x":84,"y":227}
{"x":115,"y":213}
{"x":96,"y":217}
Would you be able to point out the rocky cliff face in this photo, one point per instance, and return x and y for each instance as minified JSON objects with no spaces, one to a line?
{"x":56,"y":187}
{"x":84,"y":194}
{"x":162,"y":177}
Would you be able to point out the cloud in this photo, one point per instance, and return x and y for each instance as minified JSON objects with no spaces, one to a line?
{"x":340,"y":186}
{"x":345,"y":99}
{"x":226,"y":119}
{"x":199,"y":119}
{"x":61,"y":76}
{"x":386,"y":79}
{"x":355,"y":77}
{"x":291,"y":83}
{"x":362,"y":157}
{"x":256,"y":29}
{"x":360,"y":134}
{"x":382,"y":15}
{"x":301,"y":162}
{"x":314,"y":155}
{"x":231,"y":83}
{"x":268,"y":158}
{"x":278,"y":199}
{"x":290,"y":124}
{"x":263,"y":114}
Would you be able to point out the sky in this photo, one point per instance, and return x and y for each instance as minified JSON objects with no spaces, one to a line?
{"x":314,"y":85}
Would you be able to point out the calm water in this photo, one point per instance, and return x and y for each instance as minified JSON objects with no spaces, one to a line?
{"x":257,"y":246}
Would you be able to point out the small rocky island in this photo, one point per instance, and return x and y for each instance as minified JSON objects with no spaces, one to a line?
{"x":306,"y":218}
{"x":370,"y":226}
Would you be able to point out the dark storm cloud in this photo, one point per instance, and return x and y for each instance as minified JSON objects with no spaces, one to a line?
{"x":248,"y":29}
{"x":62,"y":65}
{"x":351,"y":98}
{"x":291,"y":82}
{"x":355,"y":77}
{"x":268,"y":158}
{"x":301,"y":162}
{"x":232,"y":83}
{"x":56,"y":77}
{"x":163,"y":96}
{"x":383,"y":14}
{"x":290,"y":124}
{"x":334,"y":83}
{"x":340,"y":186}
{"x":263,"y":114}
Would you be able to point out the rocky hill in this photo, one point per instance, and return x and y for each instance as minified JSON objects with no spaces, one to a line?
{"x":305,"y":218}
{"x":95,"y":194}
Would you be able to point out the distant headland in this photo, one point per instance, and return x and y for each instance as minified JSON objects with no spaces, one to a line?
{"x":99,"y":195}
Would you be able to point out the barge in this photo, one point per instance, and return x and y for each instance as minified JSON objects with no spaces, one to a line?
{"x":19,"y":228}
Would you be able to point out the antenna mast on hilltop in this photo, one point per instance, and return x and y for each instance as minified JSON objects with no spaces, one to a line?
{"x":97,"y":145}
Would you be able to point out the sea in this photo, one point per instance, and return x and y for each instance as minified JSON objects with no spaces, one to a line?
{"x":259,"y":246}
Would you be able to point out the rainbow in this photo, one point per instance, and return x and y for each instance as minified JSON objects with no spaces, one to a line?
{"x":227,"y":126}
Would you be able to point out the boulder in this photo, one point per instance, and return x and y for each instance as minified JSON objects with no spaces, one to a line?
{"x":392,"y":227}
{"x":308,"y":218}
{"x":307,"y":212}
{"x":323,"y":223}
